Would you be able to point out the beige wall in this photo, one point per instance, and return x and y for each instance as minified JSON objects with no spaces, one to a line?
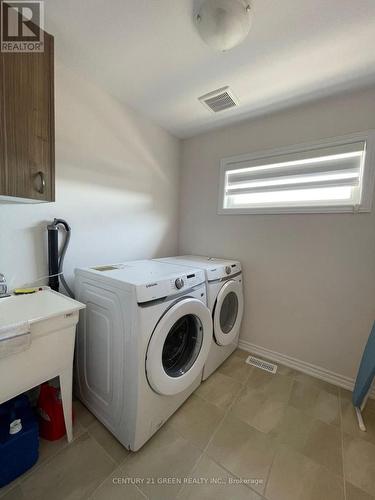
{"x":309,"y":279}
{"x":116,"y":184}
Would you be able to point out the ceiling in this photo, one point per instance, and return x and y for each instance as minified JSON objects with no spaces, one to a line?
{"x":147,"y":54}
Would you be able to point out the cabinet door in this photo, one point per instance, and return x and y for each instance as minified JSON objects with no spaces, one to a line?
{"x":28,"y":90}
{"x":3,"y":165}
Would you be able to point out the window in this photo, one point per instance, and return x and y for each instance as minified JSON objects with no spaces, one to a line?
{"x":330,"y":176}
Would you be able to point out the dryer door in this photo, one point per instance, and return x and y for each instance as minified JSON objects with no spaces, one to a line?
{"x":179,"y":347}
{"x":228,"y":313}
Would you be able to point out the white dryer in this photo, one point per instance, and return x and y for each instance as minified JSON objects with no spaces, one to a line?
{"x":225,"y":301}
{"x":142,"y":343}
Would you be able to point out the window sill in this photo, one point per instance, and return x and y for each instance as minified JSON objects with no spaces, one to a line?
{"x":293,"y":210}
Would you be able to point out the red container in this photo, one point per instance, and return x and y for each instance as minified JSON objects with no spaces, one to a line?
{"x":51,"y":415}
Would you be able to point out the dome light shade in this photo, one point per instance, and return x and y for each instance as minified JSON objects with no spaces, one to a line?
{"x":223,"y":24}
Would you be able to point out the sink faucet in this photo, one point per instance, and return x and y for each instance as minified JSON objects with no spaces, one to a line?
{"x":3,"y":285}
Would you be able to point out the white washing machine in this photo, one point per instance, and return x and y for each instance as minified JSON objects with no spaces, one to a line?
{"x":142,"y":343}
{"x":225,"y":301}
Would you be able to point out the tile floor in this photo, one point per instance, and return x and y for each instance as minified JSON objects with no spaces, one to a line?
{"x":244,"y":434}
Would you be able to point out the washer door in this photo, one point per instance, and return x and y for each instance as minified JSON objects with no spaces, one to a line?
{"x":228,"y":313}
{"x":179,"y":347}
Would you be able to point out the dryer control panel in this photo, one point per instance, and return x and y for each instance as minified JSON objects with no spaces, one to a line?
{"x":219,"y":271}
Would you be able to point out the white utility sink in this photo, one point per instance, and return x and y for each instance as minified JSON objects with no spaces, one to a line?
{"x":52,"y":318}
{"x":39,"y":306}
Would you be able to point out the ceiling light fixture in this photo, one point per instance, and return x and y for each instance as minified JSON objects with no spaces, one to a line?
{"x":223,"y":24}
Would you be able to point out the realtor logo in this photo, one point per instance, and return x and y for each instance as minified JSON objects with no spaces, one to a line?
{"x":22,"y":24}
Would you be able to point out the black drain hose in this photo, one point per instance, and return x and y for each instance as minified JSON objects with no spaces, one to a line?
{"x":56,"y":264}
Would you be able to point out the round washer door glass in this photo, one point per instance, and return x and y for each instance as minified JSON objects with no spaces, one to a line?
{"x":179,"y":347}
{"x":182,"y":345}
{"x":228,"y":312}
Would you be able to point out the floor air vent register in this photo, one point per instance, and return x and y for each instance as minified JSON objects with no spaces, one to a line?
{"x":263,"y":365}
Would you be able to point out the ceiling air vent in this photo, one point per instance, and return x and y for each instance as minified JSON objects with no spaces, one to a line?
{"x":219,"y":100}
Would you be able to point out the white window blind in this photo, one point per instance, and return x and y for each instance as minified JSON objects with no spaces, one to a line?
{"x":327,"y":178}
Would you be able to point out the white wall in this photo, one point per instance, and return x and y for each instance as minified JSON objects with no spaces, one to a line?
{"x":309,"y":279}
{"x":116,"y":184}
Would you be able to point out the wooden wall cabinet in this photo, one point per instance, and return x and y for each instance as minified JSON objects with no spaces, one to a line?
{"x":27,"y":138}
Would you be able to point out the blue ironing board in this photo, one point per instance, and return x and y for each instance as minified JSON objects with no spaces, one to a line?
{"x":365,"y":377}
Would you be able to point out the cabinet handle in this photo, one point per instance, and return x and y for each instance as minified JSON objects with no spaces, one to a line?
{"x":42,"y":186}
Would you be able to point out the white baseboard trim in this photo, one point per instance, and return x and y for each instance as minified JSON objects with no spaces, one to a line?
{"x":302,"y":366}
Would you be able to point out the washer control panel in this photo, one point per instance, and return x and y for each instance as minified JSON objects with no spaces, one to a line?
{"x":173,"y":285}
{"x":186,"y":281}
{"x":179,"y":283}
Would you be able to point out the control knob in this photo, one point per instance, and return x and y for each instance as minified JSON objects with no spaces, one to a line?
{"x":228,"y":269}
{"x":179,"y":283}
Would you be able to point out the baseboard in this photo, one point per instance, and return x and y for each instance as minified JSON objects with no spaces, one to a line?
{"x":302,"y":366}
